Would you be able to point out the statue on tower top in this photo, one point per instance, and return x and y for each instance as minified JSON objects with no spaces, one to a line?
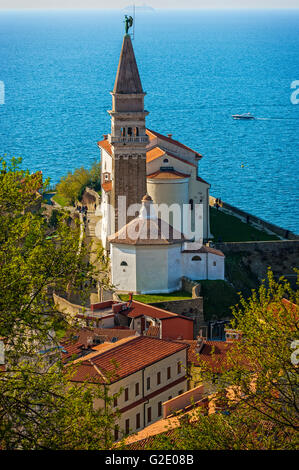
{"x":128,"y":23}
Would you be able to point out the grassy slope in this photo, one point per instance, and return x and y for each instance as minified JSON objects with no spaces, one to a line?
{"x":228,"y":228}
{"x":60,"y":200}
{"x":218,"y":297}
{"x":153,"y":298}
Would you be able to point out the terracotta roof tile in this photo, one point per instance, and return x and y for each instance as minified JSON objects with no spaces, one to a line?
{"x":105,"y":144}
{"x":139,"y":309}
{"x":107,"y":186}
{"x":130,"y":357}
{"x":157,"y":152}
{"x":153,"y":134}
{"x":205,"y":249}
{"x":147,"y":232}
{"x":211,"y":352}
{"x":168,"y":174}
{"x":154,"y":153}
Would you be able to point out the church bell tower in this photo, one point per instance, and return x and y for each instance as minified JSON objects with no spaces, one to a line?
{"x":128,"y":137}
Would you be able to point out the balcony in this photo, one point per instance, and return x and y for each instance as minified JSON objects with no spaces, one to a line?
{"x":143,"y":139}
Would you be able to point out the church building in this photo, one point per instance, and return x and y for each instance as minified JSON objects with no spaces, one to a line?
{"x":142,"y":171}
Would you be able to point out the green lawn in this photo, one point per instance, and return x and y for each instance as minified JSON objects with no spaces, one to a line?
{"x":153,"y":298}
{"x":60,"y":200}
{"x":218,"y":297}
{"x":227,"y":228}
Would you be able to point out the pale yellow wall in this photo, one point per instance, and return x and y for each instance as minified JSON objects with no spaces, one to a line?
{"x":150,"y":371}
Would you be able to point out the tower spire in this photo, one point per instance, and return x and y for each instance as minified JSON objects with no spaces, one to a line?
{"x":128,"y":138}
{"x":127,"y":78}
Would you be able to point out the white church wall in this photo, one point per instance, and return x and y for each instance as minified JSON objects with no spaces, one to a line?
{"x":210,"y":266}
{"x":193,"y":268}
{"x":216,"y":267}
{"x":174,"y":268}
{"x":170,"y":192}
{"x":199,"y":191}
{"x":123,"y":276}
{"x":152,"y":269}
{"x":106,"y":163}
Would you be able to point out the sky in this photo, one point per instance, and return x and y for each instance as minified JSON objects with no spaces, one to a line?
{"x":20,"y":4}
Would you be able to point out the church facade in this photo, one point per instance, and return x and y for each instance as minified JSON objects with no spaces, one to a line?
{"x":137,"y":161}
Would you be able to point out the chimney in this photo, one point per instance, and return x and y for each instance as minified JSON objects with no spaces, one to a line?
{"x":169,"y":136}
{"x":199,"y":344}
{"x":105,"y":136}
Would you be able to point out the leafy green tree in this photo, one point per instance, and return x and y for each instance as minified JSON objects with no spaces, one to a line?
{"x":258,"y":384}
{"x":38,"y":406}
{"x":72,"y":186}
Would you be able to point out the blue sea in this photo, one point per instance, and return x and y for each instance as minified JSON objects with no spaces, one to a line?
{"x":197,"y":67}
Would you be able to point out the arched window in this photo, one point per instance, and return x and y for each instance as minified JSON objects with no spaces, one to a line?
{"x":165,"y":160}
{"x":196,"y":258}
{"x":136,"y":131}
{"x":123,"y":131}
{"x":124,"y":263}
{"x":129,"y":130}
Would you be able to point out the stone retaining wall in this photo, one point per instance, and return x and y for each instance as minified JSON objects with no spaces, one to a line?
{"x":290,"y":246}
{"x":191,"y":308}
{"x":64,"y":305}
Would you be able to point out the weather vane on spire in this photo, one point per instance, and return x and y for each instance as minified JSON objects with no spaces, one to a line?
{"x":128,"y":23}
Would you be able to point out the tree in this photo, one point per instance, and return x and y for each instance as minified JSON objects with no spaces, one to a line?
{"x":258,"y":384}
{"x":72,"y":186}
{"x":39,"y":408}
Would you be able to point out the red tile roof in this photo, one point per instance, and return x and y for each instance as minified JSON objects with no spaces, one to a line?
{"x":154,"y":153}
{"x":153,"y":134}
{"x":130,"y":357}
{"x":157,"y":152}
{"x":139,"y":309}
{"x":168,"y":174}
{"x":105,"y":144}
{"x":205,"y":249}
{"x":212,"y":352}
{"x":107,"y":186}
{"x":147,"y":232}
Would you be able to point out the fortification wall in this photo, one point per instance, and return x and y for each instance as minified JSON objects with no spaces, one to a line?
{"x":257,"y":221}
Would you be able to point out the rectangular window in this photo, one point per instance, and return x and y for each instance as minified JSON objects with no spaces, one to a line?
{"x":148,"y":383}
{"x":116,"y":433}
{"x":138,"y":420}
{"x":181,"y":391}
{"x":159,"y":408}
{"x":168,"y":372}
{"x":136,"y":389}
{"x":158,"y":378}
{"x":169,"y":398}
{"x":149,"y":414}
{"x":115,"y":401}
{"x":179,"y":368}
{"x":126,"y":394}
{"x":127,"y":426}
